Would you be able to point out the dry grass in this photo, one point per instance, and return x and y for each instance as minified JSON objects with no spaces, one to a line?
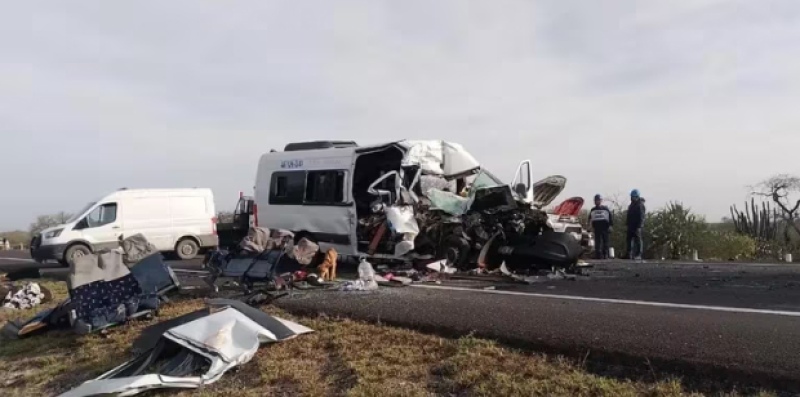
{"x":343,"y":357}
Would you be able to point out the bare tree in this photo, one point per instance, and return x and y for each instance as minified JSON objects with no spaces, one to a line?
{"x":783,"y":190}
{"x":616,"y":201}
{"x":44,"y":221}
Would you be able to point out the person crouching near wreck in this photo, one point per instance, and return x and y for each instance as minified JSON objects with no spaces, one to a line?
{"x":602,"y":220}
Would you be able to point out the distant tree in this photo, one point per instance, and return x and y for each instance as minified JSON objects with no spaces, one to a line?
{"x":783,"y":190}
{"x":44,"y":221}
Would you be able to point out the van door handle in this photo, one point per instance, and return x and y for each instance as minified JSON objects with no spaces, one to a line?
{"x":115,"y":227}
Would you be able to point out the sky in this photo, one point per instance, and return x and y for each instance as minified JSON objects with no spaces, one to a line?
{"x":689,"y":101}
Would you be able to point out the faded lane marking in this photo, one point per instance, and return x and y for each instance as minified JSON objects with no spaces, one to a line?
{"x":618,"y":301}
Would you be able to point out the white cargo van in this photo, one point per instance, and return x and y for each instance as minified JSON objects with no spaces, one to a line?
{"x":180,"y":221}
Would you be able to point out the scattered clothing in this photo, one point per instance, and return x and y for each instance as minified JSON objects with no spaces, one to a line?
{"x":304,"y":251}
{"x":256,"y":241}
{"x":29,"y":296}
{"x":266,"y":257}
{"x":390,"y":280}
{"x":359,"y":285}
{"x":135,"y":248}
{"x":260,"y":239}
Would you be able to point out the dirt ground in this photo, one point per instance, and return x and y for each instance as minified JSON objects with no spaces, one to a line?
{"x":342,"y":358}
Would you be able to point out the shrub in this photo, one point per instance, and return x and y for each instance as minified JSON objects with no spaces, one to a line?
{"x":676,"y":231}
{"x":716,"y":245}
{"x":670,"y":232}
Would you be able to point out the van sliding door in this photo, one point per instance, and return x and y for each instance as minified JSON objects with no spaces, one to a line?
{"x":316,"y":201}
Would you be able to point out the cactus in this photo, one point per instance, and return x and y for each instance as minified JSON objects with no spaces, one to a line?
{"x":759,"y":224}
{"x":676,"y":231}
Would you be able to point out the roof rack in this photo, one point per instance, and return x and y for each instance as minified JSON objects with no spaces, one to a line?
{"x":316,"y":145}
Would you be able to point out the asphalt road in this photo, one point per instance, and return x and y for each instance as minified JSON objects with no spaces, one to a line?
{"x":17,"y":260}
{"x":735,"y":322}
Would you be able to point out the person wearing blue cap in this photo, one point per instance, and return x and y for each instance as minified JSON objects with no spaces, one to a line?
{"x":602,"y":220}
{"x":635,"y":221}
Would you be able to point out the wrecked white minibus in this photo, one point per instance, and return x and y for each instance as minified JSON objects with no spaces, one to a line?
{"x":400,"y":200}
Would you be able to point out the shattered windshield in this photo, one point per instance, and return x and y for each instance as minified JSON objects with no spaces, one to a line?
{"x":78,"y":214}
{"x":487,"y":179}
{"x":448,"y":202}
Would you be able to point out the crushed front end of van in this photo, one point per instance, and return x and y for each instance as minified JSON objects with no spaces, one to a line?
{"x":439,"y":204}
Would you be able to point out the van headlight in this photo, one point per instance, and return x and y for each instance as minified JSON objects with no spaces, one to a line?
{"x":53,"y":233}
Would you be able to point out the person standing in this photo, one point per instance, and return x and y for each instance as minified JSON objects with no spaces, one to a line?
{"x":635,"y":221}
{"x":602,"y":220}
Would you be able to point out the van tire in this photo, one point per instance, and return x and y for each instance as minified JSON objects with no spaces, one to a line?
{"x":72,"y":251}
{"x":187,"y":249}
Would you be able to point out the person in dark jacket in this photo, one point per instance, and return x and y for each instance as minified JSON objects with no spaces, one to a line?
{"x":635,"y":221}
{"x":602,"y":220}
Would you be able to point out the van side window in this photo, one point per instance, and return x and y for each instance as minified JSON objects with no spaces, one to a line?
{"x":287,"y":187}
{"x":102,"y":215}
{"x":325,"y":187}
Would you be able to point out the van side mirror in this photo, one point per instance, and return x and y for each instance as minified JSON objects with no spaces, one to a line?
{"x":522,"y":179}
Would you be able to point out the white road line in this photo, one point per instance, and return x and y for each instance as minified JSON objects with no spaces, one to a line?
{"x":16,"y":259}
{"x":618,"y":301}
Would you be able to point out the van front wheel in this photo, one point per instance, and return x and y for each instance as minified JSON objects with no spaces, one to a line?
{"x":75,"y":252}
{"x":187,"y":249}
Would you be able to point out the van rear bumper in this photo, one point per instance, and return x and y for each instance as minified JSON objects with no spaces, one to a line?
{"x":48,"y":252}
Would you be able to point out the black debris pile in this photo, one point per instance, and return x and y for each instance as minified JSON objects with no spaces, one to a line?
{"x":487,"y":224}
{"x":265,"y":260}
